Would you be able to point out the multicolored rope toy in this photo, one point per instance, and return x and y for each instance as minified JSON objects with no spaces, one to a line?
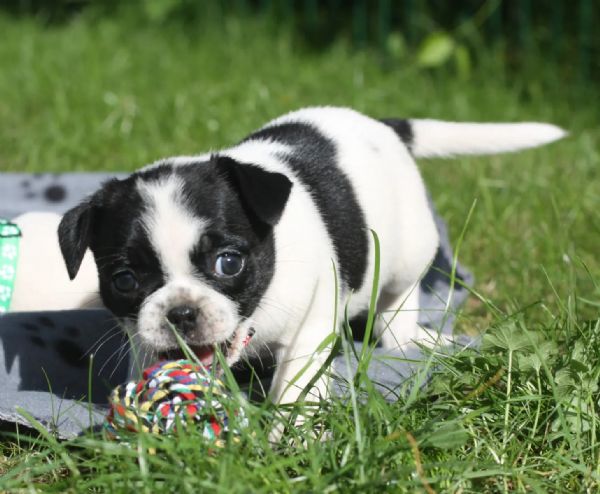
{"x":171,"y":394}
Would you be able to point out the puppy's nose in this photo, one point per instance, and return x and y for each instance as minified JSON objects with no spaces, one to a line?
{"x":183,"y":317}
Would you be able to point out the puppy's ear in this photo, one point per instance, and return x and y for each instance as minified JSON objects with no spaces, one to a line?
{"x":264,"y":193}
{"x":74,"y":235}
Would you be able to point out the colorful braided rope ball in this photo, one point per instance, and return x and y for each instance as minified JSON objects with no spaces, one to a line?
{"x":172,"y":394}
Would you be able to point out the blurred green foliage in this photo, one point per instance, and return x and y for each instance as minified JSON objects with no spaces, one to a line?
{"x":442,"y":32}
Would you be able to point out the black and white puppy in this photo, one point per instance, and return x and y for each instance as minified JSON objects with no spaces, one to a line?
{"x":253,"y":236}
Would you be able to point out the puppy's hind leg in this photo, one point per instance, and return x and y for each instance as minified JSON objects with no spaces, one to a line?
{"x":397,"y":324}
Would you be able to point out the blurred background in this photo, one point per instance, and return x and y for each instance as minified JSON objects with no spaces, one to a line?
{"x":111,"y":85}
{"x":441,"y":32}
{"x":187,"y":74}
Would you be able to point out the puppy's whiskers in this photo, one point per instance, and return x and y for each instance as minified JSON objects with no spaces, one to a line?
{"x":104,"y":338}
{"x":118,"y":352}
{"x":121,"y":358}
{"x":130,"y":343}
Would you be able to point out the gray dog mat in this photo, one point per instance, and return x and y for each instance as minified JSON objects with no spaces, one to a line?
{"x":60,"y":366}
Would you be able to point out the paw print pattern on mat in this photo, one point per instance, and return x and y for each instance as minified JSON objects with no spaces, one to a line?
{"x":37,"y":187}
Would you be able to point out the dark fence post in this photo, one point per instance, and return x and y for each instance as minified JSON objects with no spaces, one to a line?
{"x":383,"y":22}
{"x":556,"y":44}
{"x":518,"y":29}
{"x":359,"y":23}
{"x":525,"y":28}
{"x":585,"y":36}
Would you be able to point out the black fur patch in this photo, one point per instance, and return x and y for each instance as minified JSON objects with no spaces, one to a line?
{"x":314,"y":161}
{"x":402,"y":128}
{"x":264,"y":193}
{"x":118,"y":240}
{"x":209,"y":193}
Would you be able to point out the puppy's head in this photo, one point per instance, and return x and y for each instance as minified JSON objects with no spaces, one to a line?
{"x":187,"y":247}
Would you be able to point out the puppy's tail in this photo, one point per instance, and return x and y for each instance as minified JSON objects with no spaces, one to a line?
{"x":435,"y":138}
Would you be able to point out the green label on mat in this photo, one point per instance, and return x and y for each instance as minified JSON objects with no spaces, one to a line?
{"x":9,"y":253}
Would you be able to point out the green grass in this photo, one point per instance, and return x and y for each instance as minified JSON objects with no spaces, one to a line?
{"x":521,"y":415}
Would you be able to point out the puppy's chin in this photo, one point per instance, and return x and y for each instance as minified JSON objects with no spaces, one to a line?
{"x":231,"y":350}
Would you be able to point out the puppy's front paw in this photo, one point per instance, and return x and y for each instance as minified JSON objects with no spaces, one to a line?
{"x":276,"y":433}
{"x":300,"y":431}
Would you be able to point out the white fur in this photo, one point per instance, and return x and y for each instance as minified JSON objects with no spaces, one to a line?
{"x":436,"y":138}
{"x":177,"y":160}
{"x":173,"y":231}
{"x":217,"y":317}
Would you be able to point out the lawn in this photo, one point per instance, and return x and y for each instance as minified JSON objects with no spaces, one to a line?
{"x":521,"y":415}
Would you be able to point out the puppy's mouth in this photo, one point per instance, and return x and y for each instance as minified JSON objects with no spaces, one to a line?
{"x":230,"y":349}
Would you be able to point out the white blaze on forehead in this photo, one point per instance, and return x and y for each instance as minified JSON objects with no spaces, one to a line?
{"x":171,"y":227}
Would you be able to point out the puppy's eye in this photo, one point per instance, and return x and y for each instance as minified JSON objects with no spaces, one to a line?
{"x":125,"y":281}
{"x":229,"y":264}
